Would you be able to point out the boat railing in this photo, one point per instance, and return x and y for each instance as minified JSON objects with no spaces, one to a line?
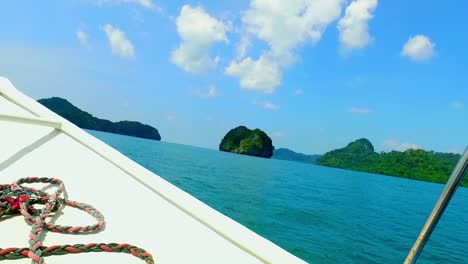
{"x":439,"y":208}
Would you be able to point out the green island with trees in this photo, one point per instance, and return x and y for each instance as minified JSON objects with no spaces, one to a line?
{"x":287,"y":154}
{"x":358,"y":155}
{"x":85,"y":120}
{"x":242,"y":140}
{"x":414,"y":164}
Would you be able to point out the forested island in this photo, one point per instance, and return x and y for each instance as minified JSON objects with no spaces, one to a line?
{"x":85,"y":120}
{"x":414,"y":164}
{"x":287,"y":154}
{"x":242,"y":140}
{"x":358,"y":155}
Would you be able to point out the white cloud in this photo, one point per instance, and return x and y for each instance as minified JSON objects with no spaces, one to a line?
{"x":298,"y":92}
{"x":392,"y":144}
{"x":284,"y":26}
{"x":198,"y":32}
{"x":279,"y":134}
{"x":83,"y":38}
{"x":148,"y":4}
{"x":457,"y":105}
{"x":360,"y":110}
{"x":211,"y":92}
{"x":266,"y":105}
{"x":261,"y":75}
{"x":354,"y":26}
{"x":145,"y":3}
{"x":118,"y":41}
{"x":419,"y":48}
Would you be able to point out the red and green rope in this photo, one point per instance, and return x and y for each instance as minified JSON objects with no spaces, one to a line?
{"x":18,"y":199}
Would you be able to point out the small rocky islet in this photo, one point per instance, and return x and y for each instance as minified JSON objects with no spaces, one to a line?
{"x":242,"y":140}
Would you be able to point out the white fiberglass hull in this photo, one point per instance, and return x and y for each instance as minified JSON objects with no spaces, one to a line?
{"x":140,"y":207}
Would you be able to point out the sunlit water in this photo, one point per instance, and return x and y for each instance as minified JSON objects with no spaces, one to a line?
{"x":319,"y":214}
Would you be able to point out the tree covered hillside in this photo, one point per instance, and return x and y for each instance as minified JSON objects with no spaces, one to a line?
{"x":415,"y":164}
{"x":85,"y":120}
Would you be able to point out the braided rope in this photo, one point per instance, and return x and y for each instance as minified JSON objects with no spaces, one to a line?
{"x":17,"y":199}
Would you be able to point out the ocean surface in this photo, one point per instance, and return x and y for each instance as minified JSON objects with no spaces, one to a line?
{"x":322,"y":215}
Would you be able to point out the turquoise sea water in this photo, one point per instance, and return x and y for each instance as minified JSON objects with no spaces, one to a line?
{"x":322,"y":215}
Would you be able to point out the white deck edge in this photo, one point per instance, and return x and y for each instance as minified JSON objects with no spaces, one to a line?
{"x":32,"y":121}
{"x":247,"y":240}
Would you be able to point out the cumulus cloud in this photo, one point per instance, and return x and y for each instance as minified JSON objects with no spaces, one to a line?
{"x":198,"y":32}
{"x":83,"y":38}
{"x":261,"y":75}
{"x":211,"y":92}
{"x":148,"y":4}
{"x":266,"y":105}
{"x":457,"y":105}
{"x":419,"y":48}
{"x":354,"y":26}
{"x":284,"y":26}
{"x":392,"y":144}
{"x":118,"y":41}
{"x":360,"y":110}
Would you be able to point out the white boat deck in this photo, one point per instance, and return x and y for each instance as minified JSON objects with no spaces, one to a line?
{"x":140,"y":207}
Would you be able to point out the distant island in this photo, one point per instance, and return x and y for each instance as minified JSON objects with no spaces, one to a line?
{"x":414,"y":164}
{"x":85,"y":120}
{"x":287,"y":154}
{"x":244,"y":141}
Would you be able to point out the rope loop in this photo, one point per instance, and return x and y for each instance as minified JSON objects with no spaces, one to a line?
{"x":17,"y":199}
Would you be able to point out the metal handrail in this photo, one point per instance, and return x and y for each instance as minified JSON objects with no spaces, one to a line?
{"x":439,"y":208}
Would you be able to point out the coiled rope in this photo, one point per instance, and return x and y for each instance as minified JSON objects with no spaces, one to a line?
{"x":17,"y":199}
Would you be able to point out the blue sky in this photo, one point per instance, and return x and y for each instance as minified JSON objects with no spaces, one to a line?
{"x":313,"y":74}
